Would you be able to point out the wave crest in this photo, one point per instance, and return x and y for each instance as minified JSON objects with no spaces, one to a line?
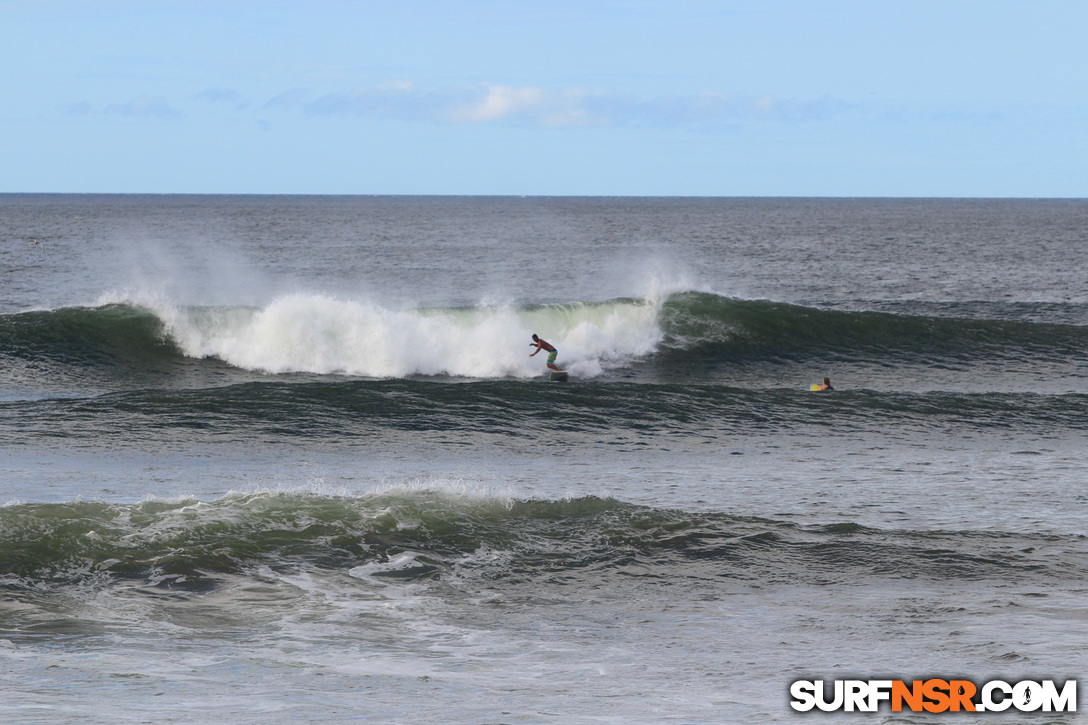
{"x":325,"y":335}
{"x":681,"y":333}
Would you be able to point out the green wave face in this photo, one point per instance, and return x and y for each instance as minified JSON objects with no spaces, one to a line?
{"x":684,"y":334}
{"x":743,"y":328}
{"x":109,"y":335}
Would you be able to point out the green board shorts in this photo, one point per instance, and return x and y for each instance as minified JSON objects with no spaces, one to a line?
{"x":551,"y":356}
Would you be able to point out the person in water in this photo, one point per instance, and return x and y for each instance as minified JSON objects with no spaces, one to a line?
{"x":826,"y":385}
{"x":544,"y":345}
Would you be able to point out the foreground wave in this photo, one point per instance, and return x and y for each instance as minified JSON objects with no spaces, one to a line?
{"x":423,"y":534}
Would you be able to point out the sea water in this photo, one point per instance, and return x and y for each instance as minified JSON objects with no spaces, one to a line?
{"x":287,"y":459}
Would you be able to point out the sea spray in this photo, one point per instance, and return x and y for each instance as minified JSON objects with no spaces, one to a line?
{"x":326,"y":335}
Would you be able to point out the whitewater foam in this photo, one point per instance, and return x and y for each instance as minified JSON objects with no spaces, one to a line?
{"x":321,"y":334}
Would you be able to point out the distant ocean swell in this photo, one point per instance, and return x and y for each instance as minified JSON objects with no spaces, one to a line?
{"x":356,"y":408}
{"x":321,"y":335}
{"x":420,"y":534}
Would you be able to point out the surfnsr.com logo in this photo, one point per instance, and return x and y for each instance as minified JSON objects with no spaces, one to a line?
{"x":934,"y":695}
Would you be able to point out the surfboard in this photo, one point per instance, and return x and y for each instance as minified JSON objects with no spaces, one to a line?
{"x":815,"y":386}
{"x":559,"y":376}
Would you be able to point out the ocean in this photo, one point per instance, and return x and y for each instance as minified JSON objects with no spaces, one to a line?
{"x":274,"y":459}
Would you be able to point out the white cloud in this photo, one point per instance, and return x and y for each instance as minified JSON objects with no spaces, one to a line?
{"x":499,"y":103}
{"x":482,"y":104}
{"x":508,"y":105}
{"x":536,"y":106}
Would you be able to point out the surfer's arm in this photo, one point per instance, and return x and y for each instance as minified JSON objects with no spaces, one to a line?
{"x":534,"y":352}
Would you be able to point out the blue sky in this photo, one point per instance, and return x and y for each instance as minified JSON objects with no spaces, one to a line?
{"x":609,"y":97}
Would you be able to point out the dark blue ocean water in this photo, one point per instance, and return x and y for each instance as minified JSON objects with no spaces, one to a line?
{"x":281,"y":459}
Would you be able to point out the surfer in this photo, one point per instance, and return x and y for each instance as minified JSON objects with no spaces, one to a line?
{"x":544,"y":345}
{"x":825,"y":386}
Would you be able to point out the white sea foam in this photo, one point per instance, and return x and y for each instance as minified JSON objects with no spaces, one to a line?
{"x":322,"y":334}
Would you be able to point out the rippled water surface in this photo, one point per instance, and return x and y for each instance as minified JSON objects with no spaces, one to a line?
{"x":282,"y":459}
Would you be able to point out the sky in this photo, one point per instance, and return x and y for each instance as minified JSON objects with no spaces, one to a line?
{"x":863,"y":98}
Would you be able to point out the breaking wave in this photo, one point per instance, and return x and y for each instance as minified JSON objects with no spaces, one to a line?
{"x":323,"y":335}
